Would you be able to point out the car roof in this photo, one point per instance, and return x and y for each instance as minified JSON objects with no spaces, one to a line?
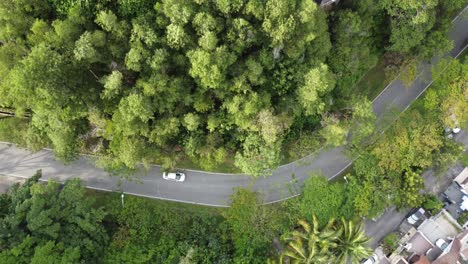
{"x":171,"y":175}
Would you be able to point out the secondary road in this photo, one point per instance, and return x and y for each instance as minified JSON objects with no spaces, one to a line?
{"x":215,"y":188}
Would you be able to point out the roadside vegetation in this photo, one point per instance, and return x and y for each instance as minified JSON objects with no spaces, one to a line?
{"x":48,"y":223}
{"x":220,"y":85}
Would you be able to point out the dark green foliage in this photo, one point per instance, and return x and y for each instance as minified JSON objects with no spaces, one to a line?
{"x":432,"y":204}
{"x":463,"y":218}
{"x":420,"y":28}
{"x":253,"y":226}
{"x":149,"y":232}
{"x":46,"y":222}
{"x":355,"y":51}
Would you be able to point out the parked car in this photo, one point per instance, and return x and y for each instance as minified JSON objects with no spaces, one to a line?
{"x":174,"y":176}
{"x":441,"y":243}
{"x":416,"y":216}
{"x":371,"y":260}
{"x":450,"y":132}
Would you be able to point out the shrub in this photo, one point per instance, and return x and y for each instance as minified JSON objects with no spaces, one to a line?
{"x":390,"y":243}
{"x":432,"y":203}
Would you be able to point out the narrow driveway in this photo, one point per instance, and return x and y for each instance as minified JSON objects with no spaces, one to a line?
{"x":215,"y":188}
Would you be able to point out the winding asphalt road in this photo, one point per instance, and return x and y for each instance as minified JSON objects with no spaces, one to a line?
{"x":214,"y":189}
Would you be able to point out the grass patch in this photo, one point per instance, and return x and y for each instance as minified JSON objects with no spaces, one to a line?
{"x":225,"y":167}
{"x":390,"y":243}
{"x":14,"y":130}
{"x":372,"y":83}
{"x":110,"y":200}
{"x":464,"y":159}
{"x":463,"y":56}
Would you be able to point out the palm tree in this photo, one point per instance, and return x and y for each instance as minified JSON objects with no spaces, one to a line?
{"x":311,"y":244}
{"x":352,"y":243}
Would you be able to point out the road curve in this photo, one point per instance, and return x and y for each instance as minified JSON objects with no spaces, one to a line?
{"x":214,"y":189}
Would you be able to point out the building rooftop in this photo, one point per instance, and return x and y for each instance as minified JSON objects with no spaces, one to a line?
{"x":462,"y":178}
{"x":441,"y":225}
{"x":418,"y":244}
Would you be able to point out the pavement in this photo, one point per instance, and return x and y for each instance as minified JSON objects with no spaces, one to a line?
{"x":7,"y":181}
{"x":214,"y":189}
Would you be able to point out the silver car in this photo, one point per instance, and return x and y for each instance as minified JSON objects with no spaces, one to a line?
{"x":174,"y":176}
{"x":416,"y":216}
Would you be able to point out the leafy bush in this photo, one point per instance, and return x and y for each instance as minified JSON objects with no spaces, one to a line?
{"x":326,"y":200}
{"x":14,"y":130}
{"x":390,"y":242}
{"x":463,"y":218}
{"x":432,"y":204}
{"x":464,"y":159}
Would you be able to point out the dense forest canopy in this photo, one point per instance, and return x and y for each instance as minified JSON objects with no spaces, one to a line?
{"x":212,"y":81}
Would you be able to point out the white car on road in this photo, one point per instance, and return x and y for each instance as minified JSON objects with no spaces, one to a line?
{"x":174,"y":176}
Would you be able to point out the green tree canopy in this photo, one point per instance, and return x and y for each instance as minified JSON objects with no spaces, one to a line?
{"x":42,"y":222}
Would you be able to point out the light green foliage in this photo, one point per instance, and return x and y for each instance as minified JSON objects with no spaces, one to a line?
{"x":85,"y":47}
{"x":373,"y":188}
{"x":448,"y":99}
{"x":271,"y":126}
{"x":409,"y":73}
{"x":334,"y":131}
{"x":43,"y":81}
{"x":13,"y":129}
{"x":363,"y":120}
{"x":326,"y":201}
{"x":307,"y":143}
{"x":389,"y":173}
{"x":176,"y":36}
{"x":210,"y":67}
{"x":464,"y":159}
{"x":318,"y":82}
{"x":409,"y":195}
{"x":311,"y":243}
{"x":16,"y":17}
{"x":191,"y":121}
{"x":410,"y":143}
{"x":112,"y":85}
{"x":463,"y":218}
